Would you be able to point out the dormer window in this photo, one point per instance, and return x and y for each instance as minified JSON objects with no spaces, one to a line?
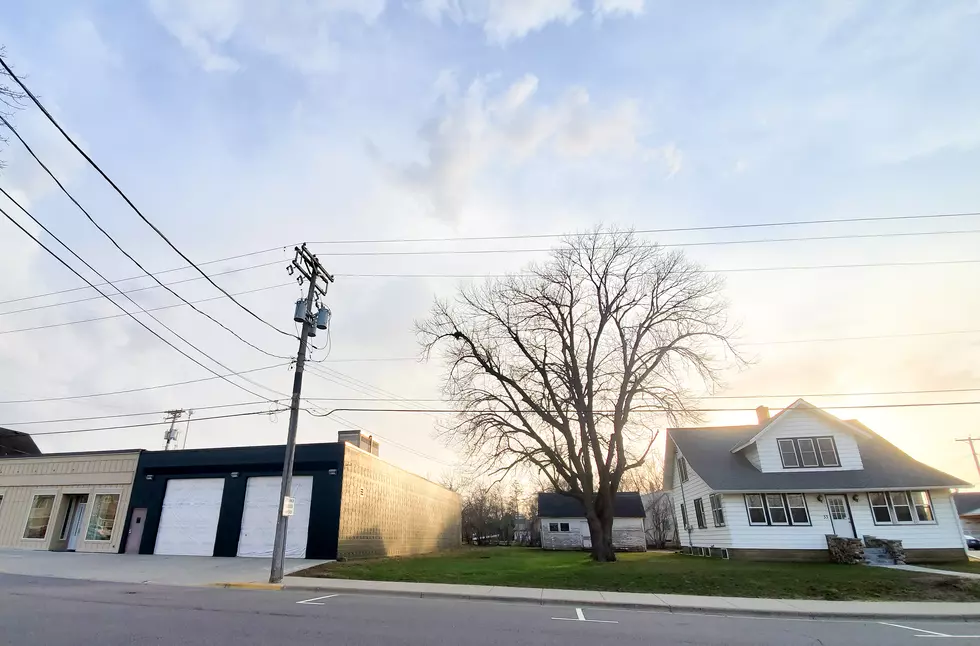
{"x":808,"y":452}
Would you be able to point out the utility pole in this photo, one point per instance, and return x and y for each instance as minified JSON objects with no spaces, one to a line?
{"x":309,"y":268}
{"x":976,"y":460}
{"x":170,"y":435}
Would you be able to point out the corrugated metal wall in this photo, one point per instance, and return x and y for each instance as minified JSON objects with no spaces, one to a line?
{"x":59,"y":475}
{"x":385,"y":511}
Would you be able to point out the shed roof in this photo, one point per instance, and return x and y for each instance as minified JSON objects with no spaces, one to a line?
{"x":966,"y":502}
{"x":558,"y":505}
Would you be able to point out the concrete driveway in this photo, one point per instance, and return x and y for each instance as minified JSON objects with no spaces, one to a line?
{"x":143,"y":568}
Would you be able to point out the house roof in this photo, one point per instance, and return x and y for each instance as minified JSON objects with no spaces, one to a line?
{"x":14,"y":443}
{"x":800,"y":404}
{"x":709,"y":452}
{"x":967,"y":502}
{"x":558,"y":505}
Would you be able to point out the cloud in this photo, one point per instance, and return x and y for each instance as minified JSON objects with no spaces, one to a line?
{"x":603,"y":8}
{"x":503,"y":21}
{"x":478,"y":128}
{"x":297,"y":33}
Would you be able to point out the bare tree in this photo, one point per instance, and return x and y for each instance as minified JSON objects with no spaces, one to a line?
{"x":564,"y":368}
{"x":659,"y":519}
{"x":10,"y":100}
{"x":647,"y":477}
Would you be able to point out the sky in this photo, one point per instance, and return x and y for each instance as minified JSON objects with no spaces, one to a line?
{"x":240,"y":126}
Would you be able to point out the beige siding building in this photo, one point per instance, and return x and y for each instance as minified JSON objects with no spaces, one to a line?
{"x":65,"y":502}
{"x":385,"y":511}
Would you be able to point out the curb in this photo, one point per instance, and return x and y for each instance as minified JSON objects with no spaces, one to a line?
{"x":248,"y":586}
{"x":666,"y":608}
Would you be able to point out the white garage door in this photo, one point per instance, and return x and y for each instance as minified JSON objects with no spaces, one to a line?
{"x":259,"y":519}
{"x":189,"y":520}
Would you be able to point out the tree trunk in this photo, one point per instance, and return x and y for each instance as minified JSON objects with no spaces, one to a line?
{"x":600,"y":528}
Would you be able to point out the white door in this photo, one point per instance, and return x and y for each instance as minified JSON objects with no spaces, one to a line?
{"x":839,"y":516}
{"x":78,"y":514}
{"x":189,"y":519}
{"x":586,"y":535}
{"x":259,"y":518}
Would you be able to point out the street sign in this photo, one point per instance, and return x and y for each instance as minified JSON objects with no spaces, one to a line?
{"x":288,"y":506}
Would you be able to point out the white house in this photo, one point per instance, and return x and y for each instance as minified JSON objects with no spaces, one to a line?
{"x":564,"y":527}
{"x":968,"y":507}
{"x":775,"y":490}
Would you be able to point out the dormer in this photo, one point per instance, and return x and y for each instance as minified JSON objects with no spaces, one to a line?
{"x":802,"y":438}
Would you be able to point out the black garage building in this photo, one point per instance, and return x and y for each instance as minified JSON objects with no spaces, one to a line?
{"x":224,"y":502}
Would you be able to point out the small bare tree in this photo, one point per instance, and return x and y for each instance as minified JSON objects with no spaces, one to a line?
{"x":659,"y":519}
{"x":563,"y":368}
{"x":10,"y":100}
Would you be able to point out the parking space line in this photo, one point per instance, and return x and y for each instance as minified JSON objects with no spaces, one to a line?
{"x":580,"y":616}
{"x":929,"y":633}
{"x":313,"y":601}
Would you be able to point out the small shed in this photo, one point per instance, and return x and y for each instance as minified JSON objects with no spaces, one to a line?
{"x":564,"y":526}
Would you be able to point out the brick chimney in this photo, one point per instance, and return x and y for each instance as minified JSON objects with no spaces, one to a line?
{"x":762,"y":412}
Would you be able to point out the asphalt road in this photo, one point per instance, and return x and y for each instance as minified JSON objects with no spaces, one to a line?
{"x":58,"y":612}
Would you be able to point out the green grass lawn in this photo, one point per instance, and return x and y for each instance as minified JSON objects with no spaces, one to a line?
{"x":656,"y":572}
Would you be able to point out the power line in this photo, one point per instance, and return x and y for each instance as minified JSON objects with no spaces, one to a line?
{"x":147,"y":424}
{"x":118,"y":190}
{"x":150,"y":309}
{"x":705,"y":243}
{"x":862,"y":394}
{"x":129,"y":314}
{"x":122,"y":415}
{"x":754,"y":225}
{"x":113,"y":241}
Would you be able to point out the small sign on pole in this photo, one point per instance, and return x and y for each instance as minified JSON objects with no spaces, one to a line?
{"x":288,"y":506}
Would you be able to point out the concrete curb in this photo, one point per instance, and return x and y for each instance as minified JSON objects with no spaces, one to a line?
{"x":243,"y":585}
{"x":675,"y":604}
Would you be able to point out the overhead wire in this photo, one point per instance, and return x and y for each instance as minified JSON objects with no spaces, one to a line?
{"x":118,"y":190}
{"x":114,"y":242}
{"x":148,"y":424}
{"x":127,"y":312}
{"x":123,"y":415}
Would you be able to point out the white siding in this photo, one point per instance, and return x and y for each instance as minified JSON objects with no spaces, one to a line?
{"x":687,"y":492}
{"x":579,"y":529}
{"x":971,"y":525}
{"x":944,"y":533}
{"x":790,"y":537}
{"x":803,"y":423}
{"x":751,"y":454}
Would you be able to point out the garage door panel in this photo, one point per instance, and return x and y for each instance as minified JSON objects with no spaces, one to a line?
{"x":258,"y":534}
{"x":189,"y":517}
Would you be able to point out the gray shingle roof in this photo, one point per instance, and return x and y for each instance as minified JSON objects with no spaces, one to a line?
{"x":967,"y":502}
{"x":557,"y":505}
{"x":708,"y":452}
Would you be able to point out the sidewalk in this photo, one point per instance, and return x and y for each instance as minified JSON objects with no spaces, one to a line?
{"x":678,"y":603}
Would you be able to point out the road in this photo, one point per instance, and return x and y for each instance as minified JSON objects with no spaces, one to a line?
{"x":58,"y":612}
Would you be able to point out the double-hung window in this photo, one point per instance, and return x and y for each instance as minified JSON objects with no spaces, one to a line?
{"x":777,"y":509}
{"x":717,"y":513}
{"x":808,"y":452}
{"x":687,"y":523}
{"x":682,"y":468}
{"x":699,"y":513}
{"x":901,"y":507}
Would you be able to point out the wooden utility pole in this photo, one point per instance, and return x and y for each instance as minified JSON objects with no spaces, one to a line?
{"x":973,"y":450}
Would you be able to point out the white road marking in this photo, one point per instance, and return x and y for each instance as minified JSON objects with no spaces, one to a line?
{"x":580,"y":616}
{"x":950,"y":636}
{"x":312,"y":602}
{"x":918,"y":630}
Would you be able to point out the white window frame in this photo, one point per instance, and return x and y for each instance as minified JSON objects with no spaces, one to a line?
{"x":699,"y":513}
{"x":832,"y":450}
{"x":717,"y":511}
{"x":906,"y":503}
{"x":92,"y":516}
{"x":552,"y":527}
{"x":564,"y":527}
{"x":790,"y":507}
{"x":761,"y":505}
{"x":682,"y":468}
{"x":782,"y":505}
{"x":927,"y":505}
{"x":782,"y":456}
{"x":812,"y":450}
{"x":910,"y":501}
{"x":684,"y":517}
{"x":47,"y":528}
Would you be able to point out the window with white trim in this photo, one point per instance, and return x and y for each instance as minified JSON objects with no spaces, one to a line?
{"x":798,"y":513}
{"x":37,"y":519}
{"x":682,"y":468}
{"x":717,"y":513}
{"x":699,"y":513}
{"x":756,"y":509}
{"x":103,"y":517}
{"x":901,"y":507}
{"x":777,"y":509}
{"x":808,"y":452}
{"x":552,"y":527}
{"x":564,"y":527}
{"x":787,"y":453}
{"x":687,"y":524}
